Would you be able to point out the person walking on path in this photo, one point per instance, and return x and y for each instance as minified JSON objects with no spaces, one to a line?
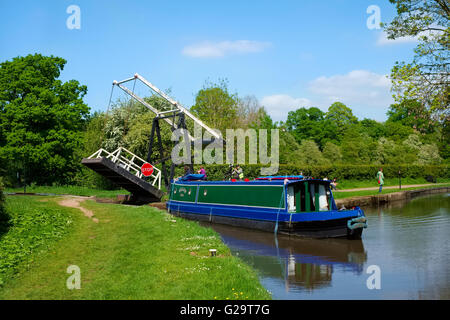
{"x":380,"y":177}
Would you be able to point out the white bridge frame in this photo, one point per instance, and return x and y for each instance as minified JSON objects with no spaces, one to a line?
{"x":130,"y":162}
{"x":176,"y":106}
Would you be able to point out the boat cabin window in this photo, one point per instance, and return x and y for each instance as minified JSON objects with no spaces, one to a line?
{"x":308,"y":196}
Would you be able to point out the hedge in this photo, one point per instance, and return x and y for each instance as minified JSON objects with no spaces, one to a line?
{"x":347,"y":172}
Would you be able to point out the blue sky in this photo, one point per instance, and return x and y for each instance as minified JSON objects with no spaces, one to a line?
{"x":288,"y":54}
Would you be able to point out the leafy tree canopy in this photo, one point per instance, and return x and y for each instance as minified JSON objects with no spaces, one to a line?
{"x":340,"y":114}
{"x":216,"y":106}
{"x":413,"y":114}
{"x":426,"y":77}
{"x":41,"y":119}
{"x":311,"y":124}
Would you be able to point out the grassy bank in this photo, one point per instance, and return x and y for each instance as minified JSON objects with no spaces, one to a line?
{"x":352,"y":184}
{"x":75,"y":190}
{"x":72,"y":190}
{"x":131,"y":253}
{"x":343,"y":195}
{"x":33,"y":229}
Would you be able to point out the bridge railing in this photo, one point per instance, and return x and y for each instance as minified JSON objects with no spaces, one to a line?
{"x":130,"y":162}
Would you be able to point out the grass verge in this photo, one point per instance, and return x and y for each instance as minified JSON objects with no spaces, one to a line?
{"x":34,"y":227}
{"x":343,"y":195}
{"x":72,"y":190}
{"x":131,"y":253}
{"x":352,"y":184}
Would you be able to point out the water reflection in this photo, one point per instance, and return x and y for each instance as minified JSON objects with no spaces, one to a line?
{"x":306,"y":264}
{"x":409,"y":241}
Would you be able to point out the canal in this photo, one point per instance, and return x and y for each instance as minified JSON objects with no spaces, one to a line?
{"x":405,"y":248}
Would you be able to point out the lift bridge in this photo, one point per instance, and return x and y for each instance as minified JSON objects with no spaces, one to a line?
{"x":123,"y":168}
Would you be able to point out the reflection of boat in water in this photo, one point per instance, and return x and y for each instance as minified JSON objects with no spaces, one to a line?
{"x":283,"y":204}
{"x":301,"y":262}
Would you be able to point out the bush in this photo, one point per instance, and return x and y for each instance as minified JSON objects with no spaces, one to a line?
{"x":4,"y":215}
{"x":85,"y":177}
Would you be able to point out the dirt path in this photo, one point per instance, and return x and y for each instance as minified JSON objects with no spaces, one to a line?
{"x":74,"y":202}
{"x":391,"y":187}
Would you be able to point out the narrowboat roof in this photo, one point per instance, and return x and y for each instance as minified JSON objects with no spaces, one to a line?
{"x":251,"y":182}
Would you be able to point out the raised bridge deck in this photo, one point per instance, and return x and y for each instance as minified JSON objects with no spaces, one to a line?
{"x":122,"y":171}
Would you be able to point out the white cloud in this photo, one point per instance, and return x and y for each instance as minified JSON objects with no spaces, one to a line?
{"x":279,"y":105}
{"x":220,"y":49}
{"x":358,"y":87}
{"x":383,"y":40}
{"x":365,"y":92}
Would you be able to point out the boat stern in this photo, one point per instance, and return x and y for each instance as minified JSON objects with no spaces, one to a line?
{"x":356,"y":225}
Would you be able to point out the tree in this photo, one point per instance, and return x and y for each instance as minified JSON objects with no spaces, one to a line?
{"x":216,"y":106}
{"x":388,"y":152}
{"x":309,"y":154}
{"x":340,"y":114}
{"x":426,"y":78}
{"x":41,"y":119}
{"x":94,"y":136}
{"x":419,"y":152}
{"x":397,"y":131}
{"x":129,"y":125}
{"x":4,"y":214}
{"x":249,"y":112}
{"x":341,"y":117}
{"x":444,"y":140}
{"x":290,"y":151}
{"x":332,"y":152}
{"x":413,"y":114}
{"x":356,"y":146}
{"x":310,"y":124}
{"x":429,"y":154}
{"x":373,"y":128}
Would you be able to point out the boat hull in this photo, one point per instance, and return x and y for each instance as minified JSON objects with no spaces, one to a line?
{"x":311,"y":225}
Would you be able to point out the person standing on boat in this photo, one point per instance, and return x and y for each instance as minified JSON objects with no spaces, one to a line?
{"x":203,"y":172}
{"x":380,"y":177}
{"x":238,"y":172}
{"x":187,"y":170}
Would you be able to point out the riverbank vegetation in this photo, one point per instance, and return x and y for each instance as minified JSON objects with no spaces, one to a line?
{"x":70,"y":190}
{"x":131,"y":253}
{"x":359,"y":193}
{"x":46,"y":129}
{"x":4,"y":215}
{"x":33,"y":228}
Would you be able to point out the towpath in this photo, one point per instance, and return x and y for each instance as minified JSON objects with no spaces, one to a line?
{"x":74,"y":202}
{"x":391,"y":187}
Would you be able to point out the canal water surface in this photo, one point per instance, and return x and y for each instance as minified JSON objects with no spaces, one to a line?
{"x":406,"y":244}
